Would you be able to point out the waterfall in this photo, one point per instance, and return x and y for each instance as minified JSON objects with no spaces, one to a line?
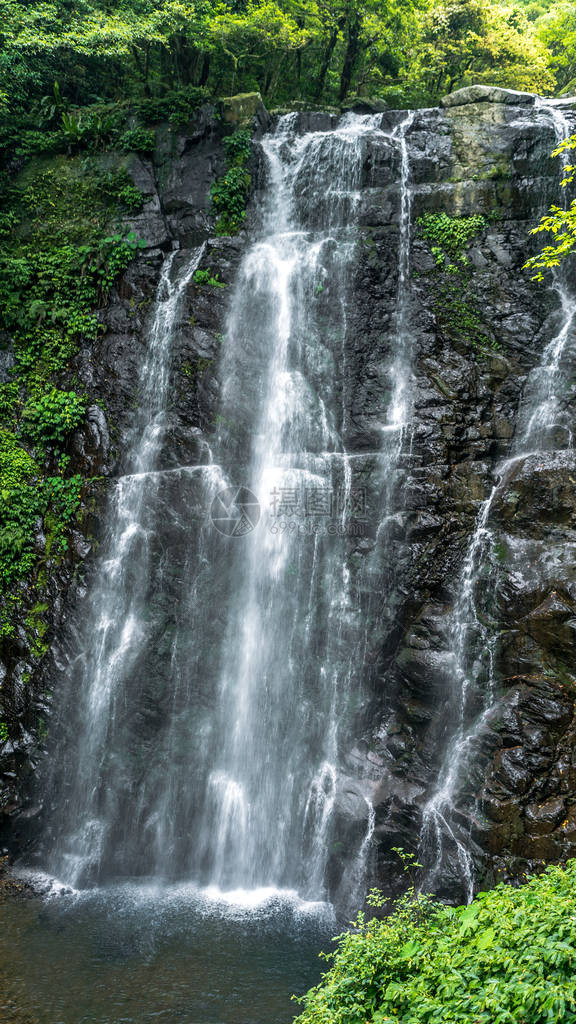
{"x":218,"y":657}
{"x":543,"y":425}
{"x":106,"y":648}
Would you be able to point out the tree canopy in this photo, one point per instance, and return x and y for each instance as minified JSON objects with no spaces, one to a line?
{"x":312,"y":50}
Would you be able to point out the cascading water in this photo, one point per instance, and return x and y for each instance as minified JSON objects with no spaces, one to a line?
{"x":107,"y":652}
{"x":543,"y":425}
{"x":220,"y":658}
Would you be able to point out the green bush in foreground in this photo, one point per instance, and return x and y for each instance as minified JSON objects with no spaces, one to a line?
{"x":508,"y":958}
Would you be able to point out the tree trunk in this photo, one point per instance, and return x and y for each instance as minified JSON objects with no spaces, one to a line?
{"x":351,"y":55}
{"x":320,"y":81}
{"x":205,"y":70}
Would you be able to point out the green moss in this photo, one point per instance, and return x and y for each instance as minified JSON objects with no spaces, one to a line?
{"x":456,"y":309}
{"x":58,"y":261}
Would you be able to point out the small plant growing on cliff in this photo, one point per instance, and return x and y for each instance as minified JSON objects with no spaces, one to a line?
{"x":230,"y":193}
{"x":237,"y":148}
{"x":457,"y":314}
{"x":450,"y":235}
{"x":138,"y":140}
{"x":206,"y":277}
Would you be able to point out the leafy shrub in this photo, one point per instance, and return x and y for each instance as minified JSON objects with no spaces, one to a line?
{"x":27,"y":499}
{"x":47,"y":296}
{"x":50,"y":416}
{"x":62,"y":497}
{"x":138,"y":140}
{"x":202,"y":277}
{"x":456,"y":311}
{"x":508,"y":958}
{"x":451,"y":234}
{"x":237,"y":147}
{"x":21,"y":506}
{"x":57,"y":265}
{"x":176,"y":106}
{"x":91,"y":128}
{"x":230,"y":193}
{"x":229,"y":196}
{"x":119,"y":187}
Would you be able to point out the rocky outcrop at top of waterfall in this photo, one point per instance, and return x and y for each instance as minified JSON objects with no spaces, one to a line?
{"x":477,"y":329}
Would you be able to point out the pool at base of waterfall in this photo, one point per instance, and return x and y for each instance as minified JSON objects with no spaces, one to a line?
{"x":129,"y":954}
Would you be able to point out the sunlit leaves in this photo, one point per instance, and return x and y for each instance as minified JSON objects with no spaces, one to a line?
{"x":509,"y":958}
{"x":559,"y":222}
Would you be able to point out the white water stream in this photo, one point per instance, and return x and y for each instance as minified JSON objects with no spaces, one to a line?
{"x":208,"y":677}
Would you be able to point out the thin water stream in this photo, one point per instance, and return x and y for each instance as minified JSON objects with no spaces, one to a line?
{"x":544,"y":425}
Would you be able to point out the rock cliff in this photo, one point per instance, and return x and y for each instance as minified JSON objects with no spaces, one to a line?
{"x":478,"y":328}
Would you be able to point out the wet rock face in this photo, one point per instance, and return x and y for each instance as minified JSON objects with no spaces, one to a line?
{"x":484,"y":153}
{"x":176,"y":184}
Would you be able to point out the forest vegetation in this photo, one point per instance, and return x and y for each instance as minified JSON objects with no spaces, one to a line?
{"x":409,"y":51}
{"x":507,"y":958}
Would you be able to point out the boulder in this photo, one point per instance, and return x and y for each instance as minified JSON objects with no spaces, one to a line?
{"x":365,"y":105}
{"x":487,"y":94}
{"x":239,"y":110}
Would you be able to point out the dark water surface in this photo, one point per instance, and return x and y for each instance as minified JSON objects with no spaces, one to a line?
{"x":135,"y":954}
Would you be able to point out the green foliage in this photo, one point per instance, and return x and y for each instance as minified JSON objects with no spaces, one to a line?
{"x":463,"y":42}
{"x":28,"y":499}
{"x":202,"y":277}
{"x":138,"y":140}
{"x":508,"y":958}
{"x":450,"y":235}
{"x":556,"y":27}
{"x":165,"y":57}
{"x":4,"y":737}
{"x":177,"y":106}
{"x":47,"y":297}
{"x":50,"y":416}
{"x":237,"y":147}
{"x":229,"y":195}
{"x":57,"y":265}
{"x":559,"y":222}
{"x":456,"y":311}
{"x":21,"y":507}
{"x":62,"y":503}
{"x":230,"y":192}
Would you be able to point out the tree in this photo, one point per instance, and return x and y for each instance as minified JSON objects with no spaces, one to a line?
{"x":557,"y":31}
{"x":462,"y":42}
{"x":260,"y":35}
{"x":559,"y":222}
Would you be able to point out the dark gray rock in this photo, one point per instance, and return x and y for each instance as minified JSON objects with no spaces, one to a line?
{"x":487,"y":94}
